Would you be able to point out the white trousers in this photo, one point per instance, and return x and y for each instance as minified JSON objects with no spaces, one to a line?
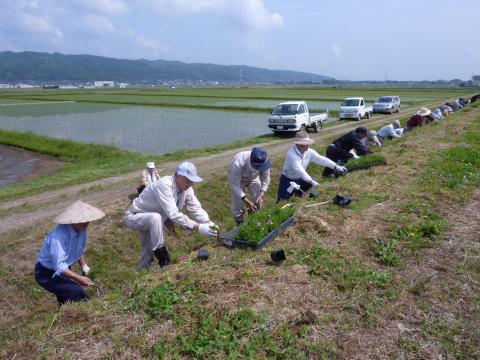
{"x":150,"y":227}
{"x":238,"y":206}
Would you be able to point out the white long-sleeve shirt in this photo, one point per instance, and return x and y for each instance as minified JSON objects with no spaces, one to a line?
{"x":241,"y":173}
{"x":388,"y":131}
{"x":296,"y":163}
{"x":165,"y":198}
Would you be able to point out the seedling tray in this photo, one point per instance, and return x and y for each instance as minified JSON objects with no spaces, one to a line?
{"x":229,"y":237}
{"x":365,"y":167}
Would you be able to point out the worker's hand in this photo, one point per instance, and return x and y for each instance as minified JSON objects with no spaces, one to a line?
{"x":355,"y":156}
{"x":314,"y":183}
{"x":259,"y":200}
{"x":207,"y":230}
{"x":85,"y":269}
{"x":85,"y":281}
{"x":251,"y":205}
{"x":340,"y":169}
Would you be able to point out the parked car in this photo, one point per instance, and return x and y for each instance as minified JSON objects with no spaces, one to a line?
{"x":387,"y":104}
{"x":355,"y":108}
{"x":293,"y":116}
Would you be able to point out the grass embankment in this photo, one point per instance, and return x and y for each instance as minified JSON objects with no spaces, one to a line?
{"x":375,"y":280}
{"x":85,"y":162}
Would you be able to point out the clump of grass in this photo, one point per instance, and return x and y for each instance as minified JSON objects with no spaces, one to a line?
{"x":385,"y":251}
{"x":367,"y":160}
{"x":260,"y":223}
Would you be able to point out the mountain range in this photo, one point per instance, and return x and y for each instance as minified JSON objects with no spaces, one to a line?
{"x":44,"y":67}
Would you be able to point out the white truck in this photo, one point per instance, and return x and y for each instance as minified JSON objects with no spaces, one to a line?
{"x":292,"y":116}
{"x":355,"y":108}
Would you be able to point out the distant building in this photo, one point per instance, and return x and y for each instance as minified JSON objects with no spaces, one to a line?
{"x":476,"y":80}
{"x":104,"y":84}
{"x":123,"y":85}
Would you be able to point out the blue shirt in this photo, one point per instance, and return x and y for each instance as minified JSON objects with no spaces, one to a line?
{"x":62,"y":248}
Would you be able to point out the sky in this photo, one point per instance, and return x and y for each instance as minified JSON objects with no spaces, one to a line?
{"x":344,"y":39}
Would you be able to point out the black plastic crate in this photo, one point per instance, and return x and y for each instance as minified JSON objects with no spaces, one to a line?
{"x":229,"y":237}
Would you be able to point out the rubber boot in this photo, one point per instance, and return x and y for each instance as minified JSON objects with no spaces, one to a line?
{"x":162,"y":256}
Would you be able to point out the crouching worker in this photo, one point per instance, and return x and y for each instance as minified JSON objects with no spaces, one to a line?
{"x":63,"y":247}
{"x":340,"y":148}
{"x":160,"y":204}
{"x":248,"y":170}
{"x":296,"y":161}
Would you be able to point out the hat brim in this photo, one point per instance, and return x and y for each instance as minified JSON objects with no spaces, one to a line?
{"x":263,"y":166}
{"x":193,"y":178}
{"x":303,"y":142}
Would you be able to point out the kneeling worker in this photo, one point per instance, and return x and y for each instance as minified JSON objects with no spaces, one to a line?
{"x":163,"y":201}
{"x":251,"y":170}
{"x":63,"y":247}
{"x":340,"y":148}
{"x":296,"y":161}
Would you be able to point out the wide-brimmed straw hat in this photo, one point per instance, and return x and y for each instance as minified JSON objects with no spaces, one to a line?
{"x":302,"y":138}
{"x":424,"y":112}
{"x":79,"y":212}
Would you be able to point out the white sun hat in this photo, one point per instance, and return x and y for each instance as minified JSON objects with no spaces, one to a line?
{"x":79,"y":212}
{"x":302,"y":138}
{"x":424,"y":112}
{"x":150,"y":165}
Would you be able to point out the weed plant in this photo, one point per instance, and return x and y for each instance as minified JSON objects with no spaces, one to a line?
{"x":262,"y":222}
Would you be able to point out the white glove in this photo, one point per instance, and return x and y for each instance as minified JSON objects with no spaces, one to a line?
{"x":85,"y":269}
{"x":340,"y":169}
{"x":355,"y":156}
{"x":314,"y":183}
{"x":206,"y":230}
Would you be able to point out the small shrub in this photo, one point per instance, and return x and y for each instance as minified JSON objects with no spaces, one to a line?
{"x":385,"y":252}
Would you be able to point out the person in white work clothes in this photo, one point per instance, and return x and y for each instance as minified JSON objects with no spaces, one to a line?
{"x":163,"y":201}
{"x":248,"y":170}
{"x":149,"y":175}
{"x":294,"y":169}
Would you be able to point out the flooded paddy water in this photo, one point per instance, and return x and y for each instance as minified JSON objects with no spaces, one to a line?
{"x":136,"y":128}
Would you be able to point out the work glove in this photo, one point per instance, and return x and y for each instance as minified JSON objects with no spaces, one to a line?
{"x":355,"y":156}
{"x":314,"y":183}
{"x":207,"y":230}
{"x":340,"y":169}
{"x":85,"y":269}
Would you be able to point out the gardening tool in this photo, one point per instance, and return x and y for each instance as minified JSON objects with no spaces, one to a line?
{"x":278,"y":255}
{"x":340,"y":200}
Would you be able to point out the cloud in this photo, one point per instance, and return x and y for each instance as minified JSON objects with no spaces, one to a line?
{"x":98,"y":24}
{"x":251,"y":13}
{"x":336,"y":50}
{"x":473,"y":51}
{"x":105,"y":7}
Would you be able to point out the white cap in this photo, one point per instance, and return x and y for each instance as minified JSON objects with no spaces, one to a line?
{"x":79,"y":212}
{"x":188,"y":170}
{"x":150,"y":165}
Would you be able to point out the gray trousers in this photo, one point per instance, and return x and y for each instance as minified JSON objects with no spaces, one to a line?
{"x":238,"y":206}
{"x":150,"y":227}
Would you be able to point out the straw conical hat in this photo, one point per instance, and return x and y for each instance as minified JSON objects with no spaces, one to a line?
{"x":79,"y":212}
{"x":424,"y":112}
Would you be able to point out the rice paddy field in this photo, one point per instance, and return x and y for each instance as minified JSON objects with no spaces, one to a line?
{"x":396,"y":275}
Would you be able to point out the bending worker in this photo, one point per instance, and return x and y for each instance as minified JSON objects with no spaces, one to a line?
{"x":390,"y":131}
{"x":296,"y":161}
{"x":251,"y":170}
{"x":340,"y":148}
{"x":62,"y":248}
{"x":161,"y":202}
{"x":149,"y":175}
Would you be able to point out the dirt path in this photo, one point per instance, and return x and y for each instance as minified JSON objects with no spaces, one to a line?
{"x":110,"y":193}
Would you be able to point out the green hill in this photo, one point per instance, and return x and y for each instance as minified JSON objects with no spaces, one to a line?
{"x":37,"y":66}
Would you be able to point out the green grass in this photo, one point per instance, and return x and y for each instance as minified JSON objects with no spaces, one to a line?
{"x":86,"y":162}
{"x":370,"y":159}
